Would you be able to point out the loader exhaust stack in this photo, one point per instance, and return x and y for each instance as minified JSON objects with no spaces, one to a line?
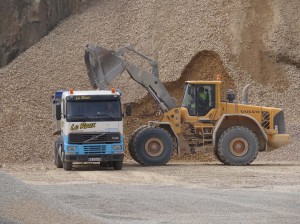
{"x":245,"y":94}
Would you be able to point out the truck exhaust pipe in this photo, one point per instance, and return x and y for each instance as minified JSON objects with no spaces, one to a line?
{"x":245,"y":94}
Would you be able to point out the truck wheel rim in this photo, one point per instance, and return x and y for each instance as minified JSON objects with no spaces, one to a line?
{"x":154,"y":147}
{"x":239,"y":146}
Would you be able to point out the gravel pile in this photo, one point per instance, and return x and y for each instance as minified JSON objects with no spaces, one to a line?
{"x":170,"y":32}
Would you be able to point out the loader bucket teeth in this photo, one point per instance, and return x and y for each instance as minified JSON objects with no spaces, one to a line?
{"x":102,"y":65}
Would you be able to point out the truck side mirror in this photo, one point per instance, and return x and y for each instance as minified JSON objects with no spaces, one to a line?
{"x":128,"y":109}
{"x":58,"y":112}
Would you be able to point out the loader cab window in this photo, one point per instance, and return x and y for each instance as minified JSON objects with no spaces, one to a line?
{"x":189,"y":99}
{"x":206,"y":99}
{"x":199,"y":99}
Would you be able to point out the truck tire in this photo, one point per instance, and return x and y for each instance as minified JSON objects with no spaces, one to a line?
{"x":152,"y":146}
{"x":57,"y":160}
{"x":118,"y":165}
{"x":131,"y":140}
{"x":67,"y":165}
{"x":238,"y":146}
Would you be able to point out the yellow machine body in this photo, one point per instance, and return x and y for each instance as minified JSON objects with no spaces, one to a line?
{"x":223,"y":115}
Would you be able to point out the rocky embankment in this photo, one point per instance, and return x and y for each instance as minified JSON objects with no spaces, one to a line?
{"x":24,"y":22}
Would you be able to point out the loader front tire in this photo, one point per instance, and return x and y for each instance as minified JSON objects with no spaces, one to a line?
{"x":238,"y":146}
{"x":131,"y":140}
{"x":152,"y":146}
{"x":217,"y":156}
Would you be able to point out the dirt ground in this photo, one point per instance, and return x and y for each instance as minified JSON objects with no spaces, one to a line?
{"x":283,"y":176}
{"x":180,"y":192}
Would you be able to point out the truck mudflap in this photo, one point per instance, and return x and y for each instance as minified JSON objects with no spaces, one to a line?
{"x":278,"y":140}
{"x":94,"y":158}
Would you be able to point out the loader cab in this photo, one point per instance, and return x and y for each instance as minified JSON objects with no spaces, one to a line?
{"x":200,"y":97}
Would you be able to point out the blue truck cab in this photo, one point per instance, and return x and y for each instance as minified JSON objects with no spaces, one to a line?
{"x":88,"y":126}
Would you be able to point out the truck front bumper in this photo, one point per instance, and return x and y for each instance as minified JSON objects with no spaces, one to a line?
{"x":94,"y":157}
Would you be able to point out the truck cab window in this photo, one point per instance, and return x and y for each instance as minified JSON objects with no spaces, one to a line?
{"x":108,"y":110}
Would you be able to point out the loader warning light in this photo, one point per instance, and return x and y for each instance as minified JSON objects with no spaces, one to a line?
{"x":219,"y":78}
{"x":71,"y":91}
{"x":113,"y":90}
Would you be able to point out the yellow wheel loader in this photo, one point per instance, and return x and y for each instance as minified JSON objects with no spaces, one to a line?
{"x":236,"y":132}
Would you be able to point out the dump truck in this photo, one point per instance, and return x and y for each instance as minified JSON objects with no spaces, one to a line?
{"x":88,"y":127}
{"x":235,"y":132}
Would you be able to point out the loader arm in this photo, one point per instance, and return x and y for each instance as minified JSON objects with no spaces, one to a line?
{"x":104,"y":66}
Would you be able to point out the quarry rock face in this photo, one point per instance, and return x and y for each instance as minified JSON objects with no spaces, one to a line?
{"x":25,"y":22}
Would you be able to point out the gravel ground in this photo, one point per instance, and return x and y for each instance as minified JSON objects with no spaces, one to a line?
{"x":172,"y":33}
{"x":180,"y":192}
{"x":19,"y":203}
{"x":177,"y":204}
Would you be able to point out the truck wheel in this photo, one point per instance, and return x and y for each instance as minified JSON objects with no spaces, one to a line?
{"x":237,"y":146}
{"x":57,"y":160}
{"x":118,"y":165}
{"x":67,"y":165}
{"x":131,"y":140}
{"x":152,"y":146}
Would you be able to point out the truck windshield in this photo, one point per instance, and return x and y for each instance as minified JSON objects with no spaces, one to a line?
{"x":96,"y":110}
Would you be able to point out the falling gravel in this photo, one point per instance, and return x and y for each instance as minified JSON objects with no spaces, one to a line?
{"x":172,"y":32}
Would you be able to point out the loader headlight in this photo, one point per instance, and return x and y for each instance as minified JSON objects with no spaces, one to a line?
{"x":71,"y":148}
{"x":117,"y":147}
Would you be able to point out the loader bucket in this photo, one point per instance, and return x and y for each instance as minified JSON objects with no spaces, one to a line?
{"x":102,"y":66}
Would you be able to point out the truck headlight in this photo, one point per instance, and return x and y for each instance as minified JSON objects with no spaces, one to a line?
{"x":71,"y":148}
{"x":117,"y":147}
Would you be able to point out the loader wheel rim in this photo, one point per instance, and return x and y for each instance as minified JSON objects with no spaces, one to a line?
{"x":239,"y":146}
{"x":154,"y":147}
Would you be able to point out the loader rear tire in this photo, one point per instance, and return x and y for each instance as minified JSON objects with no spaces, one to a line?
{"x":131,"y":140}
{"x":238,"y":146}
{"x":152,"y":146}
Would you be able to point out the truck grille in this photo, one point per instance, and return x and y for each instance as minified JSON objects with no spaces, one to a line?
{"x":94,"y":149}
{"x":94,"y":138}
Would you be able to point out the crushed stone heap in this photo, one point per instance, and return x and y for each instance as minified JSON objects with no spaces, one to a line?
{"x":264,"y":54}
